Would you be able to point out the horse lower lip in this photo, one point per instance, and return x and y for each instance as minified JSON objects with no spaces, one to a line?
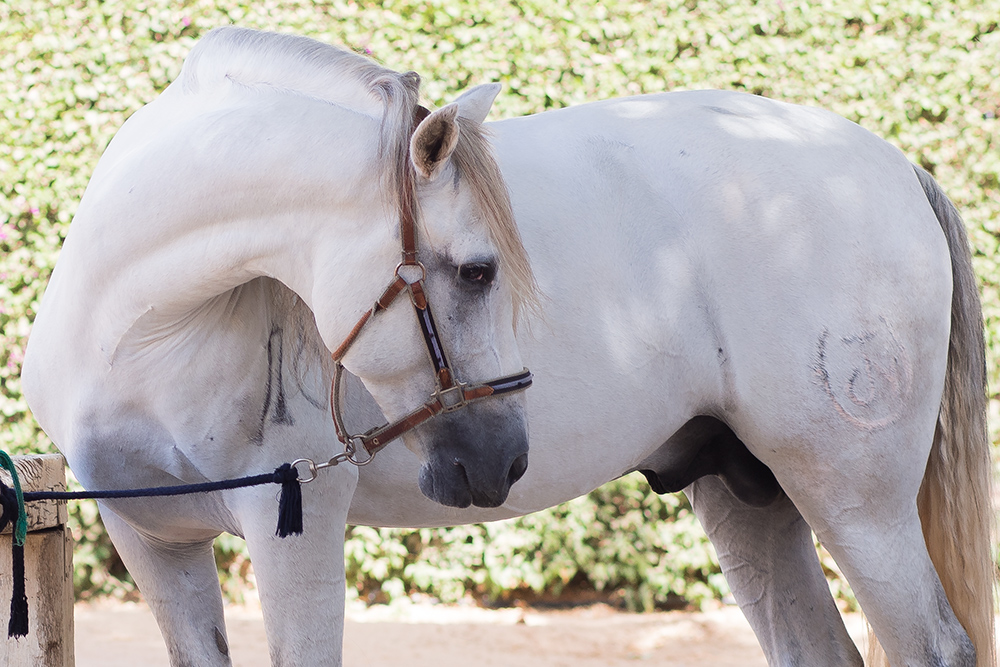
{"x":450,"y":486}
{"x":484,"y":501}
{"x":451,"y":495}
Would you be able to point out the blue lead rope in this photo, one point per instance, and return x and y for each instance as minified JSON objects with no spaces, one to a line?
{"x":12,"y":501}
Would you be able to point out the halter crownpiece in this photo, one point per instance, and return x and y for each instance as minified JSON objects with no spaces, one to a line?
{"x":450,"y":394}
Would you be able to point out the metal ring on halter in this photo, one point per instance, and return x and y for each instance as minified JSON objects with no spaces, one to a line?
{"x":423,"y":271}
{"x":350,"y":451}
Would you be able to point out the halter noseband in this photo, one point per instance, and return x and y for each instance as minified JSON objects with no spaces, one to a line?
{"x":450,"y":394}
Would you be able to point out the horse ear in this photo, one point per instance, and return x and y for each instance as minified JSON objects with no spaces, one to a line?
{"x":434,"y":140}
{"x":474,"y":104}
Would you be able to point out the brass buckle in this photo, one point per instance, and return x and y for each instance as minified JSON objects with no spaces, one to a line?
{"x":452,"y":398}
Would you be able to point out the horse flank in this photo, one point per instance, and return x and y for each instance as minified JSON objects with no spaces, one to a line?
{"x":255,"y":60}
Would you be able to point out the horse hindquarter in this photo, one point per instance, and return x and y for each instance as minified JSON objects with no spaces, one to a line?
{"x":826,"y":286}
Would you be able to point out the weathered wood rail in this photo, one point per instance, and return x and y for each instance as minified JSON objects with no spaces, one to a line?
{"x":48,"y":566}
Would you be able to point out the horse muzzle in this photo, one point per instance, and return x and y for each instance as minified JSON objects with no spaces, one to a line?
{"x":474,"y":456}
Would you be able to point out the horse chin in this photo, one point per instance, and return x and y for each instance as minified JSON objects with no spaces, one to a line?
{"x":454,"y":489}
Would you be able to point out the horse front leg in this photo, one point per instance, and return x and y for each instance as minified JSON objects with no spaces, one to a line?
{"x":770,"y":563}
{"x":180,"y":583}
{"x":301,"y":578}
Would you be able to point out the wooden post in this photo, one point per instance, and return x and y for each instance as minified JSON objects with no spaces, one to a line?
{"x":48,"y":567}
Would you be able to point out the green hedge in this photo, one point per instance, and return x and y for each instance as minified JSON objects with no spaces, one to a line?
{"x":923,"y":74}
{"x":649,"y":551}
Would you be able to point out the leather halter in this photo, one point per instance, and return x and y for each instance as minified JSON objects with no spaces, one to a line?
{"x":450,"y":394}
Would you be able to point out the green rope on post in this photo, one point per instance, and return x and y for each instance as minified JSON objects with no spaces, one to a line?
{"x":18,"y":625}
{"x":20,"y":528}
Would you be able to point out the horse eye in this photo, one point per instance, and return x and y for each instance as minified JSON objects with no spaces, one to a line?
{"x":477,"y":274}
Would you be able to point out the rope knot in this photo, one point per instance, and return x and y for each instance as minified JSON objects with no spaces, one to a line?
{"x":285,"y":473}
{"x":8,"y":503}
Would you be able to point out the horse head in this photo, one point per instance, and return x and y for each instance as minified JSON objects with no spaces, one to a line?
{"x":471,"y":271}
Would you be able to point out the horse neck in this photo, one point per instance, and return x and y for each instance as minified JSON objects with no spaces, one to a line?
{"x":213,"y":202}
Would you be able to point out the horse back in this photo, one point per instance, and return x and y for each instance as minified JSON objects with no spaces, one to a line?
{"x":789,"y":256}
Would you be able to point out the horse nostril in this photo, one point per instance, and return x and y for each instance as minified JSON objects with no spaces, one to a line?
{"x":517,"y":469}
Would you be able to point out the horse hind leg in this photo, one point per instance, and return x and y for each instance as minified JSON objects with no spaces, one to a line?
{"x":862,"y":506}
{"x":764,"y":546}
{"x":768,"y":559}
{"x":899,"y":590}
{"x":181,"y":585}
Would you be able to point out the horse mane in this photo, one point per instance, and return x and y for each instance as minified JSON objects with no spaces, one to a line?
{"x":255,"y":60}
{"x":252,"y":60}
{"x":473,"y":157}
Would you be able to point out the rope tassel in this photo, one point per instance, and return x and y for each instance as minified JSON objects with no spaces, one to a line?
{"x":18,"y":625}
{"x":290,"y":502}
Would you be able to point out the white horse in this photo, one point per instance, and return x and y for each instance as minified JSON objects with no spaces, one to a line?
{"x":758,"y":303}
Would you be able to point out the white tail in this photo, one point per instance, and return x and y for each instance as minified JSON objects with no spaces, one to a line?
{"x":955,"y":497}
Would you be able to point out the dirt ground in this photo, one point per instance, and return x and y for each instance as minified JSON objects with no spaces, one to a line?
{"x":423,"y":635}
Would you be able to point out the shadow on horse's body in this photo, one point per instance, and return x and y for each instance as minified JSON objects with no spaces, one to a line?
{"x":752,"y":302}
{"x":749,"y":300}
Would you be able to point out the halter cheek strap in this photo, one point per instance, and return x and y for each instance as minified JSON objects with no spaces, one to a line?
{"x":450,"y":394}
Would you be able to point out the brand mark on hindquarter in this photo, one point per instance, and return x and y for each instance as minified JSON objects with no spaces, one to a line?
{"x":866,"y":375}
